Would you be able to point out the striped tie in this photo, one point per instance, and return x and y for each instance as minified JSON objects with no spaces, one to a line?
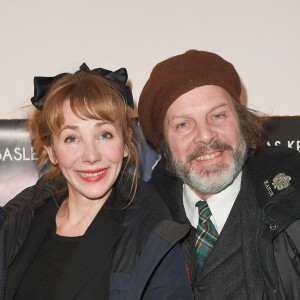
{"x":206,"y":234}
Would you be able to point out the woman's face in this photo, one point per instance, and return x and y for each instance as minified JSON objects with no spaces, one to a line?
{"x":89,"y":154}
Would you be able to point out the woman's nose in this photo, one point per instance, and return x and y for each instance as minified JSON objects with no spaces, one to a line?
{"x":90,"y":153}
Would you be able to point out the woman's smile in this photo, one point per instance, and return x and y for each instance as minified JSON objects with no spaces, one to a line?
{"x":93,"y":175}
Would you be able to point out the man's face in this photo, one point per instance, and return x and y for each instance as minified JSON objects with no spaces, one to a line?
{"x":202,"y":131}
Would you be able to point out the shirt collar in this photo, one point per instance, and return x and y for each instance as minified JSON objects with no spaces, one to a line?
{"x":220,"y":204}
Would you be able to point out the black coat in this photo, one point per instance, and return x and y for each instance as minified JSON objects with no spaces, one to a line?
{"x":261,"y":234}
{"x":143,"y":238}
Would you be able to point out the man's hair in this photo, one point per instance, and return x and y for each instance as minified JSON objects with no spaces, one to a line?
{"x":252,"y":129}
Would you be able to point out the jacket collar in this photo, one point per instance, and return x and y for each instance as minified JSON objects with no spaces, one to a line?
{"x":96,"y":243}
{"x":274,"y":170}
{"x":275,"y":175}
{"x":170,"y":188}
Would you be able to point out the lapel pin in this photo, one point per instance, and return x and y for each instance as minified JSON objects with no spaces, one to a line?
{"x":281,"y":181}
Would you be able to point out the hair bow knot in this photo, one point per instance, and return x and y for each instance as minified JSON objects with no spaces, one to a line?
{"x":117,"y":78}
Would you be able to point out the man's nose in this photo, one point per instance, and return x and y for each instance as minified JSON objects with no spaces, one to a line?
{"x":204,"y":133}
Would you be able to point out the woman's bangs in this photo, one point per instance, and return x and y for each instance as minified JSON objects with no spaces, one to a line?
{"x":93,"y":103}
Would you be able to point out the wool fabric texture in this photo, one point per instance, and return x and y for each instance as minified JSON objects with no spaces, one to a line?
{"x":174,"y":77}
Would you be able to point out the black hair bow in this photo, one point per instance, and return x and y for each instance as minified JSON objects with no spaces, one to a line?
{"x":117,"y":78}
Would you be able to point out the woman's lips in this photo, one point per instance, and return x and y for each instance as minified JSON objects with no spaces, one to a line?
{"x":92,"y":175}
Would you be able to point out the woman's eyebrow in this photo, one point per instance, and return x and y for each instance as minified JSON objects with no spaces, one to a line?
{"x":73,"y":127}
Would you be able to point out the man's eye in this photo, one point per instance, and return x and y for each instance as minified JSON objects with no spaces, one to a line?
{"x":71,"y":139}
{"x":183,"y":124}
{"x":218,"y":116}
{"x":105,"y":135}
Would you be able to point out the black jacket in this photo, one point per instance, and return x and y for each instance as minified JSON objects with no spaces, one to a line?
{"x":276,"y":218}
{"x":146,"y":246}
{"x":276,"y":178}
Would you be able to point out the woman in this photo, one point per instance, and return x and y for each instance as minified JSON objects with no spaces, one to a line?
{"x":97,"y":232}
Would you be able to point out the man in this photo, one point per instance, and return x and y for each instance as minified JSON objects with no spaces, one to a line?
{"x":241,"y":198}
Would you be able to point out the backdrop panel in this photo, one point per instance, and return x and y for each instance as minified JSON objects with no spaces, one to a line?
{"x":17,"y":160}
{"x":284,"y":131}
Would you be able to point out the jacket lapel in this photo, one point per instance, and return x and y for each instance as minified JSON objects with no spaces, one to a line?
{"x":237,"y":227}
{"x":31,"y":246}
{"x":228,"y":243}
{"x":250,"y":217}
{"x":239,"y":234}
{"x":175,"y":202}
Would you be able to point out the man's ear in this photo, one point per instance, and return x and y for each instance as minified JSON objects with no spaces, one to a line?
{"x":51,"y":154}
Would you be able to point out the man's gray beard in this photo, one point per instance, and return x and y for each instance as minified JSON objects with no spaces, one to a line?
{"x":212,"y":179}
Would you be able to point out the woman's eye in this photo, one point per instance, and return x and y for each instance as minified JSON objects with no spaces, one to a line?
{"x":70,"y":139}
{"x":105,"y":135}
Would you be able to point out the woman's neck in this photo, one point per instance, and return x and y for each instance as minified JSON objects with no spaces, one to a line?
{"x":75,"y":216}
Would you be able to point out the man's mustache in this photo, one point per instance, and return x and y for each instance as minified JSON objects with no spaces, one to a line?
{"x":201,"y":149}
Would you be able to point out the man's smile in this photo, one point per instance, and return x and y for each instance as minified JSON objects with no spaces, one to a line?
{"x":209,"y":156}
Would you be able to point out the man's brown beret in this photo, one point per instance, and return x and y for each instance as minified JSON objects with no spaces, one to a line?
{"x":177,"y":75}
